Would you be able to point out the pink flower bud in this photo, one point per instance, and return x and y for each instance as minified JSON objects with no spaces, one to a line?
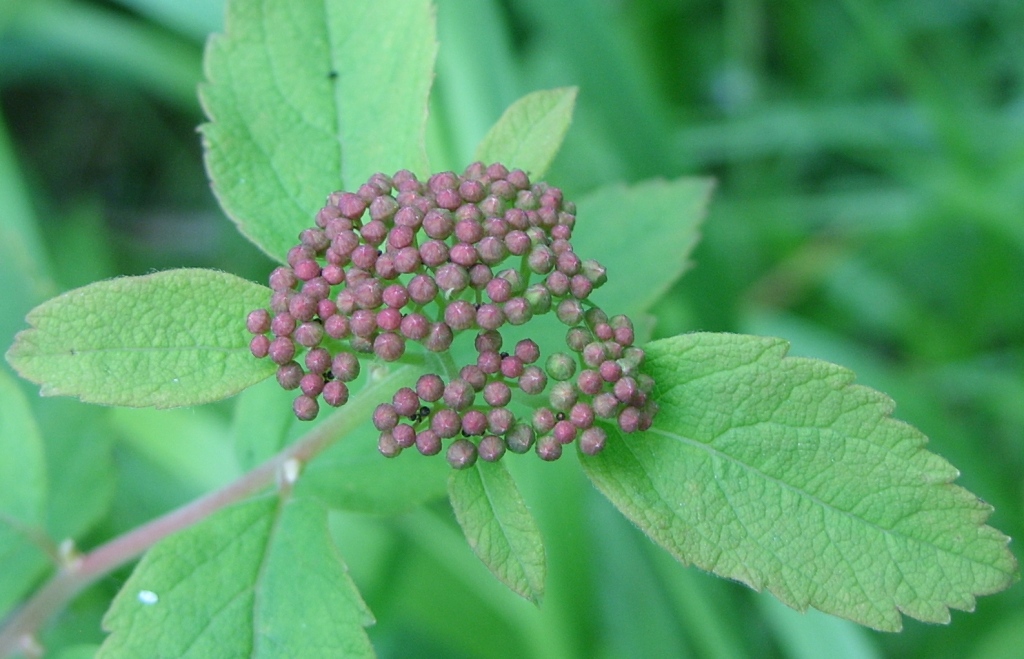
{"x":306,"y":408}
{"x":491,"y":448}
{"x":461,"y":454}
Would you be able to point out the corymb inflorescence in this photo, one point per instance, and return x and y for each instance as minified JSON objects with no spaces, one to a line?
{"x":403,"y":261}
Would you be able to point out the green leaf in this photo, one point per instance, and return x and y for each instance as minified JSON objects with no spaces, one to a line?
{"x":530,"y":132}
{"x":658,"y":222}
{"x":305,"y":98}
{"x":778,"y":472}
{"x":262,"y":422}
{"x":22,"y":495}
{"x":259,"y":579}
{"x":353,"y":475}
{"x":22,"y":466}
{"x":78,"y":443}
{"x":643,"y":234}
{"x":167,"y":339}
{"x":191,"y":445}
{"x":499,"y":527}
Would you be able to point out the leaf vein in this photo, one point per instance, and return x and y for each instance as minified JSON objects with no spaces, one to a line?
{"x":257,"y":603}
{"x":714,"y":452}
{"x":511,"y":553}
{"x":713,"y":561}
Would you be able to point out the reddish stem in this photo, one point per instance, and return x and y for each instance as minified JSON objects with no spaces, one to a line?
{"x":18,"y":632}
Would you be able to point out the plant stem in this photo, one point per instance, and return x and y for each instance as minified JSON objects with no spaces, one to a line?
{"x":18,"y":632}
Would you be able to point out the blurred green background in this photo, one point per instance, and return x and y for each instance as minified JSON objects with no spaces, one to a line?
{"x":869,"y":208}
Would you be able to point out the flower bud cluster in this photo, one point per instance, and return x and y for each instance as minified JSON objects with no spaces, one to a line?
{"x":404,"y":261}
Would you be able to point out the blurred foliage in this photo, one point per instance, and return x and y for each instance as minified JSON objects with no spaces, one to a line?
{"x":870,"y":208}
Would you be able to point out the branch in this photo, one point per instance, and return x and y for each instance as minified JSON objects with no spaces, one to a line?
{"x":19,"y":632}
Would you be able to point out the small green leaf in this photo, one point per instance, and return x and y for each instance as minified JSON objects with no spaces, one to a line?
{"x":259,"y":579}
{"x":778,"y":472}
{"x":167,"y":339}
{"x":499,"y":527}
{"x":643,"y":234}
{"x":305,"y":98}
{"x":530,"y":132}
{"x":22,"y":495}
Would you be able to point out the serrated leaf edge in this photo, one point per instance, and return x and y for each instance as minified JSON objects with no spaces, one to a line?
{"x":886,"y":406}
{"x":534,"y":592}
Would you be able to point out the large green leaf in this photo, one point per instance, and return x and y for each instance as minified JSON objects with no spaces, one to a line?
{"x":22,"y":495}
{"x":530,"y":132}
{"x":305,"y":98}
{"x":778,"y":472}
{"x":499,"y":527}
{"x":259,"y":579}
{"x":167,"y":339}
